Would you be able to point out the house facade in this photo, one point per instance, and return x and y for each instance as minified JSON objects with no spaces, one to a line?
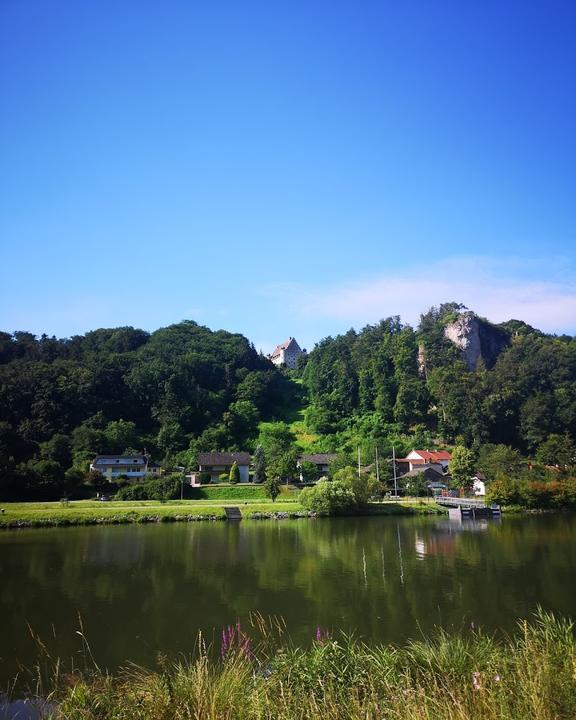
{"x":133,"y":467}
{"x":479,"y":484}
{"x":321,"y":460}
{"x":436,"y":459}
{"x":287,"y":353}
{"x":216,"y":463}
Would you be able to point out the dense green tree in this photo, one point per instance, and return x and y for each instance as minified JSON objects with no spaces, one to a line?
{"x":308,"y":471}
{"x":559,"y":450}
{"x":272,"y":487}
{"x":283,"y":466}
{"x":494,"y":460}
{"x":462,"y":467}
{"x":59,"y":449}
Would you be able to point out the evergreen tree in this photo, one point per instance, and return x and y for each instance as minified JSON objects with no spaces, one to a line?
{"x":259,"y":465}
{"x":235,"y":473}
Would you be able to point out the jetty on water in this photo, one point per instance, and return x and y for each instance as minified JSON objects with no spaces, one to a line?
{"x":469,"y":507}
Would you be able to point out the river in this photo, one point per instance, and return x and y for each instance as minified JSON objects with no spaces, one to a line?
{"x":137,"y":591}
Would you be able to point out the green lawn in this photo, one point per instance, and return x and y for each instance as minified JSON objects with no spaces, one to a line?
{"x":93,"y":512}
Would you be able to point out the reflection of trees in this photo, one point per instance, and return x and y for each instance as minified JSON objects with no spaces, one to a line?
{"x":145,"y":589}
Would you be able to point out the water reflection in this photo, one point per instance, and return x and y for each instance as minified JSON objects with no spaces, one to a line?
{"x":145,"y":590}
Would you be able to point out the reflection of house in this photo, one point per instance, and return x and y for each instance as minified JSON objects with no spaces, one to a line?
{"x":321,"y":460}
{"x":479,"y":484}
{"x":217,"y":463}
{"x":436,"y":459}
{"x":287,"y":353}
{"x":134,"y":467}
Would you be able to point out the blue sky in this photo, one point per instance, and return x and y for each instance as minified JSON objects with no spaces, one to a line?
{"x":285,"y":169}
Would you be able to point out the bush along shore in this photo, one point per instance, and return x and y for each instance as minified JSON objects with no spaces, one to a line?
{"x":461,"y":676}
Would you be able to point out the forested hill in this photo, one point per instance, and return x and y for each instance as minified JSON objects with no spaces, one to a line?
{"x":182,"y":387}
{"x":456,"y":377}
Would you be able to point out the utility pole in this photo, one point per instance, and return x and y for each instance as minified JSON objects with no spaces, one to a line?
{"x":394,"y":467}
{"x":377,"y":467}
{"x":358,"y":462}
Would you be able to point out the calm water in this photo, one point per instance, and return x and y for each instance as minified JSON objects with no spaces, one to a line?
{"x":142,"y":590}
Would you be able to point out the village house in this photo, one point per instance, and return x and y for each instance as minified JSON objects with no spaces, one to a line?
{"x":287,"y":353}
{"x":321,"y":460}
{"x":133,"y":467}
{"x":435,"y":459}
{"x":217,"y":463}
{"x":479,"y":484}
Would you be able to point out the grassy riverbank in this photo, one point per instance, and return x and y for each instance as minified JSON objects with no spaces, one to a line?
{"x":93,"y":512}
{"x":468,"y":676}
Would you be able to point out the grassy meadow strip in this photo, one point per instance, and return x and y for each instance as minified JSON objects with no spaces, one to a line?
{"x":467,"y":676}
{"x":92,"y":512}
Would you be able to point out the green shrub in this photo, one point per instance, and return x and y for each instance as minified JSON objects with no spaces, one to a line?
{"x":168,"y":488}
{"x":328,"y":498}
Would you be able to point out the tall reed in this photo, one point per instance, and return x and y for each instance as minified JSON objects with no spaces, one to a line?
{"x":260,"y":676}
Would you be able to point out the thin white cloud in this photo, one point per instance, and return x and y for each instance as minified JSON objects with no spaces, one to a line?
{"x":508,"y":288}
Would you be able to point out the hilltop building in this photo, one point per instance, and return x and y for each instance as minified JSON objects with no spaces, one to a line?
{"x":287,"y":353}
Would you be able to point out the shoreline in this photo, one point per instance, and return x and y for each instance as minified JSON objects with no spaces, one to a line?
{"x":56,"y":515}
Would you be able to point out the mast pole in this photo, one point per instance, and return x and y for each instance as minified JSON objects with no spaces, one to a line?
{"x":394,"y":467}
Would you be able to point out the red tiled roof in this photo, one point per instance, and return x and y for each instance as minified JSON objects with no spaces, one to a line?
{"x":427,"y":456}
{"x":435,"y":455}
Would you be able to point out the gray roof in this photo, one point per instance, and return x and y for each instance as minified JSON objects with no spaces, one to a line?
{"x":224,"y":458}
{"x":113,"y":458}
{"x":319,"y":458}
{"x":426,"y":471}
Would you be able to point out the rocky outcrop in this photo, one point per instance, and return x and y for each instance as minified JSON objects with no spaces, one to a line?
{"x":477,"y":339}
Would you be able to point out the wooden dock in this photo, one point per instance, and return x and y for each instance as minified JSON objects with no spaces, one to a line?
{"x":472,"y":508}
{"x":233,"y":513}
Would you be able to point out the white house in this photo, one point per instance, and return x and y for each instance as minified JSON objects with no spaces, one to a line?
{"x":134,"y":467}
{"x":417,"y":458}
{"x":479,"y":484}
{"x":287,"y":353}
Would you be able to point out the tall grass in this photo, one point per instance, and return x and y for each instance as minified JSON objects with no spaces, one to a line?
{"x":528,"y":676}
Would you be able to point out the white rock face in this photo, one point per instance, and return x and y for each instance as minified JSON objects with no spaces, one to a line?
{"x":464,"y":332}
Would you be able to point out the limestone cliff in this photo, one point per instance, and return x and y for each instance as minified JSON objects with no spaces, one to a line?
{"x":477,"y":339}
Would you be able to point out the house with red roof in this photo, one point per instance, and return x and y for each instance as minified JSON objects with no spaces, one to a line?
{"x":420,"y":459}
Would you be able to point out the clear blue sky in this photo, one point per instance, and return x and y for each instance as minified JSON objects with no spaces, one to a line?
{"x":285,"y":168}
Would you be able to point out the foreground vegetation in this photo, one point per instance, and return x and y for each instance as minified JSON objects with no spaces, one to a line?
{"x":467,"y":676}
